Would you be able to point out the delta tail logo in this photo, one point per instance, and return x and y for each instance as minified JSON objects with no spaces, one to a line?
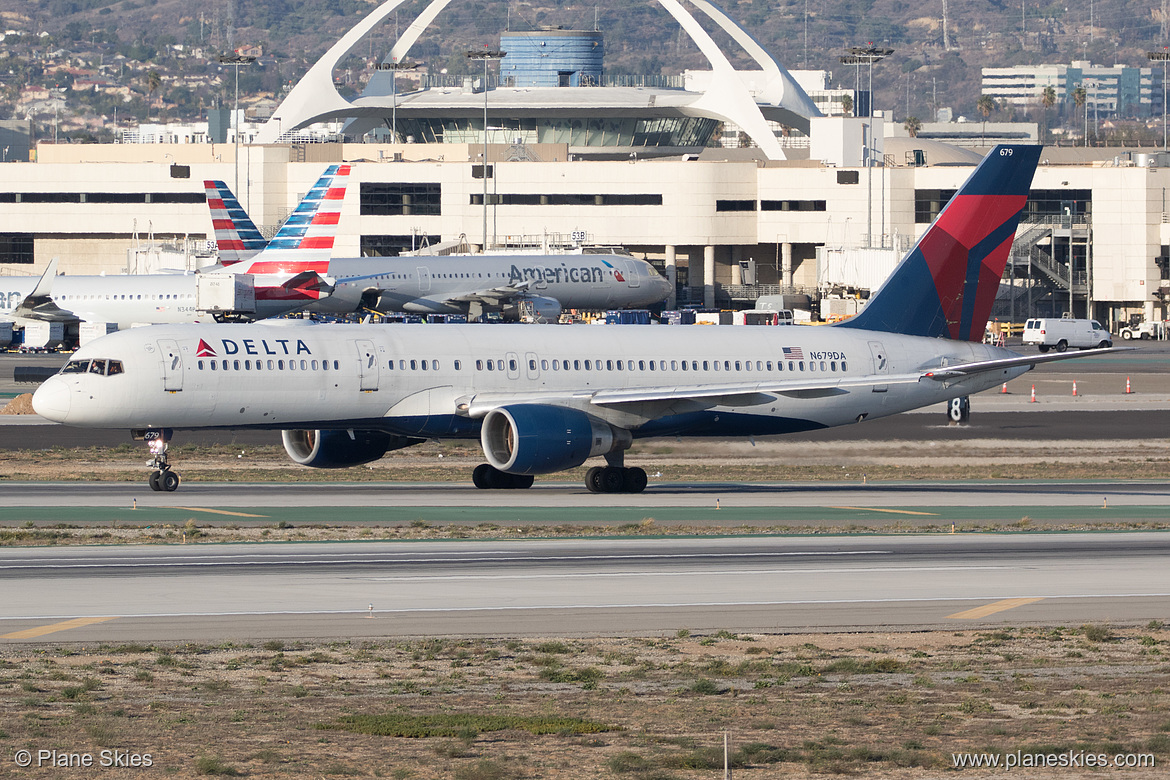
{"x":204,"y":350}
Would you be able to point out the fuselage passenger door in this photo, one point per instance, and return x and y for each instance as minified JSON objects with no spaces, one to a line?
{"x":633,"y":277}
{"x":367,"y":366}
{"x":172,"y":364}
{"x":881,"y":363}
{"x":513,"y":365}
{"x":424,"y":279}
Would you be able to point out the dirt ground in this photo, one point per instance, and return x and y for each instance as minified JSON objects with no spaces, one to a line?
{"x":889,"y":705}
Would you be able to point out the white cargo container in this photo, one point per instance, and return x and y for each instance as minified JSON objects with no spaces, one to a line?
{"x":44,"y":335}
{"x":225,"y":293}
{"x":88,"y":331}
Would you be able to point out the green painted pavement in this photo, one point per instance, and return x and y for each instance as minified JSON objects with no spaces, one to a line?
{"x":801,"y":516}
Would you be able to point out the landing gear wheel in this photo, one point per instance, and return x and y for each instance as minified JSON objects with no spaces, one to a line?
{"x":481,"y":475}
{"x":613,"y":479}
{"x":593,"y":479}
{"x":154,"y":485}
{"x":521,"y":481}
{"x":488,"y":477}
{"x":635,"y":480}
{"x":169,"y":481}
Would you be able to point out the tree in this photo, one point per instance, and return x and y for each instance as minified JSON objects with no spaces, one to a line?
{"x":1047,"y":100}
{"x":1081,"y":98}
{"x":986,"y":105}
{"x":912,"y":124}
{"x":847,"y":104}
{"x":153,"y":82}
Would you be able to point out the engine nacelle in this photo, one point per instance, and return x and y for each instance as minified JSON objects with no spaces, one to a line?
{"x":534,"y":439}
{"x":340,"y":449}
{"x":534,"y":307}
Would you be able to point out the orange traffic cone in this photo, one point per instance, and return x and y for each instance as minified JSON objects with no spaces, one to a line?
{"x":1003,"y":390}
{"x":1033,"y":394}
{"x":1128,"y":389}
{"x":1074,"y":388}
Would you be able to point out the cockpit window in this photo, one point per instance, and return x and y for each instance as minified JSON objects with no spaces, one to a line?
{"x":100,"y":366}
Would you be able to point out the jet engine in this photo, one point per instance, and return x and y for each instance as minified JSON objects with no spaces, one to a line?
{"x":536,"y":307}
{"x":534,"y":439}
{"x":339,"y":449}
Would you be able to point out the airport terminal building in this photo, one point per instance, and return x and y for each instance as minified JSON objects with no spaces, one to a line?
{"x":821,"y":217}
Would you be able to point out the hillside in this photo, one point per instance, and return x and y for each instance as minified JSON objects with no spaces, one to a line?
{"x":640,"y":39}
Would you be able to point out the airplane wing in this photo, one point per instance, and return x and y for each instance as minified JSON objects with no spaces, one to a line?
{"x":495,"y":296}
{"x":39,"y":304}
{"x":961,"y":370}
{"x":730,"y":394}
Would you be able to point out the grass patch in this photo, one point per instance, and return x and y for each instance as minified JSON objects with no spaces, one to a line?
{"x":459,"y":725}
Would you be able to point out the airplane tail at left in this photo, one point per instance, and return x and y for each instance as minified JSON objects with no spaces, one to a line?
{"x":236,"y":236}
{"x":946,"y":285}
{"x":305,"y":241}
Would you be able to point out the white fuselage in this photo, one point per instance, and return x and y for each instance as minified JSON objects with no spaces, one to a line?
{"x":127,"y":299}
{"x":432,"y":380}
{"x":442,"y":284}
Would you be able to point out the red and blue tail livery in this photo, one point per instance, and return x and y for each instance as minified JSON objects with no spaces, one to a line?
{"x":236,"y":236}
{"x":314,"y":222}
{"x":946,"y":285}
{"x":304,"y":242}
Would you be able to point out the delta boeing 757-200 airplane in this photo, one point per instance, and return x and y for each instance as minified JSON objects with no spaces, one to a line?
{"x":542,"y":399}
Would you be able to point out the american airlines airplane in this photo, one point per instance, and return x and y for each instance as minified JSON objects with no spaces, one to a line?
{"x":451,"y":284}
{"x":543,"y":399}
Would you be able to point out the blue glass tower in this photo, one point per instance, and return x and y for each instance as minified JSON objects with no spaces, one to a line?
{"x":551,"y":58}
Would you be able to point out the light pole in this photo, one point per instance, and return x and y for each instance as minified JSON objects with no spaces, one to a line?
{"x":237,"y":60}
{"x":394,"y":67}
{"x":1161,"y":56}
{"x":486,"y":55}
{"x":868,"y":55}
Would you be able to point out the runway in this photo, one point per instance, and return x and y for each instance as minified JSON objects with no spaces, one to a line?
{"x":588,"y":586}
{"x":271,"y":499}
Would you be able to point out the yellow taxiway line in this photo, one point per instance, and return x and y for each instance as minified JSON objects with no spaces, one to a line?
{"x":887,"y":511}
{"x":52,"y":628}
{"x":214,"y":511}
{"x":991,"y":609}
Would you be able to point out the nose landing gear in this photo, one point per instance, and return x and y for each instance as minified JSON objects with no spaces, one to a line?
{"x":162,"y":478}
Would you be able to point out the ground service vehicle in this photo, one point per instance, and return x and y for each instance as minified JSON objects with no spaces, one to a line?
{"x":1060,"y":334}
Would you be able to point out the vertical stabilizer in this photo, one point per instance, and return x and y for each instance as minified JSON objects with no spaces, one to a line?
{"x":946,"y":285}
{"x":305,"y":241}
{"x":236,"y":237}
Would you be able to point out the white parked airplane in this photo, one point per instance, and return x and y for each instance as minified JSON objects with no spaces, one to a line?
{"x":543,"y":399}
{"x":127,"y":299}
{"x":450,"y":284}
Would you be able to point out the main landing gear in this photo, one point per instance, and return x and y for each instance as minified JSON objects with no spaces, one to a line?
{"x":161,"y":478}
{"x":615,"y":479}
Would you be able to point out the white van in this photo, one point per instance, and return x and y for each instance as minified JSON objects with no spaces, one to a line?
{"x":1060,"y":334}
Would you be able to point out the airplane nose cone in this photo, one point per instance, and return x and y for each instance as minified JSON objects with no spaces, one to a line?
{"x":51,"y":399}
